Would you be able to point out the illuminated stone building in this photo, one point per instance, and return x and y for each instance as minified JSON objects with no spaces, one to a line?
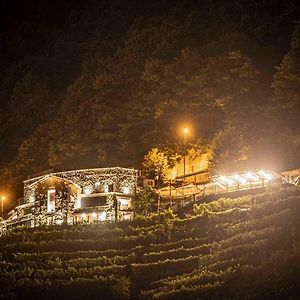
{"x":80,"y":196}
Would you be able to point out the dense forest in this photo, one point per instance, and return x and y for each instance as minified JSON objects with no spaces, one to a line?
{"x":99,"y":83}
{"x":240,"y":248}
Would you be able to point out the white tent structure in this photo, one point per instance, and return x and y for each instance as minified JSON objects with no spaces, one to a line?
{"x":223,"y":183}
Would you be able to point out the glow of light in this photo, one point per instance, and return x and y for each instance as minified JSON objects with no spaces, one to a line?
{"x":94,"y":215}
{"x":103,"y":216}
{"x":250,"y":175}
{"x":185,"y":130}
{"x":124,"y":201}
{"x":127,"y":217}
{"x":221,"y":185}
{"x":239,"y":178}
{"x":223,"y":178}
{"x":126,"y":190}
{"x":59,"y":222}
{"x":105,"y":188}
{"x":230,"y":181}
{"x":266,"y":175}
{"x":87,"y":190}
{"x":83,"y":215}
{"x":226,"y":180}
{"x":77,"y":203}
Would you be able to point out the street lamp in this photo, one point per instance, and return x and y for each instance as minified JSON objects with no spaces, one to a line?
{"x":185,"y":133}
{"x":2,"y":200}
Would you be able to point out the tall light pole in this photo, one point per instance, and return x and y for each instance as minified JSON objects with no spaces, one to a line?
{"x":185,"y":133}
{"x":2,"y":200}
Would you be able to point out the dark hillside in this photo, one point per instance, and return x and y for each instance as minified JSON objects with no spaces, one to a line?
{"x":90,"y":83}
{"x":246,"y":247}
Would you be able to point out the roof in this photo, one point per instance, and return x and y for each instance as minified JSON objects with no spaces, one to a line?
{"x":96,"y":170}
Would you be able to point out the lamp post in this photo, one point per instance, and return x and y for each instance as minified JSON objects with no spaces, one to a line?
{"x":185,"y":133}
{"x":2,"y":200}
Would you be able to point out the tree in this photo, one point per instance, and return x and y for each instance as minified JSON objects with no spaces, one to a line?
{"x":109,"y":86}
{"x":286,"y":83}
{"x":145,"y":202}
{"x":286,"y":86}
{"x":230,"y":149}
{"x":155,"y":164}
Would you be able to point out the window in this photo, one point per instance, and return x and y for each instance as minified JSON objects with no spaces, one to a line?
{"x":93,"y":201}
{"x":97,"y":186}
{"x":51,"y":201}
{"x":87,"y":190}
{"x":126,"y":190}
{"x":77,"y":203}
{"x":125,"y":204}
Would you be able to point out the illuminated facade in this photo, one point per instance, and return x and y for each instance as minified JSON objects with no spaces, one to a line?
{"x":80,"y":196}
{"x":195,"y":169}
{"x":219,"y":184}
{"x":107,"y":194}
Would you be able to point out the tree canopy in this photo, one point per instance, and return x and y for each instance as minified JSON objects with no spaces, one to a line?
{"x":91,"y":84}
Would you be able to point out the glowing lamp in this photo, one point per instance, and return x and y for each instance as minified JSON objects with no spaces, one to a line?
{"x":105,"y":188}
{"x":223,"y":178}
{"x":239,"y":178}
{"x":266,"y":175}
{"x":97,"y":184}
{"x":126,"y":190}
{"x":251,"y":176}
{"x":227,"y":180}
{"x":103,"y":216}
{"x":87,"y":190}
{"x":124,"y":201}
{"x":230,"y":181}
{"x":59,"y":222}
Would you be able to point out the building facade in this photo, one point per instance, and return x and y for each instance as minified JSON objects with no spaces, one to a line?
{"x":79,"y":196}
{"x":191,"y":168}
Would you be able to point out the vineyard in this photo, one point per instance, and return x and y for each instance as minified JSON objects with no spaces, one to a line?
{"x":247,"y":247}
